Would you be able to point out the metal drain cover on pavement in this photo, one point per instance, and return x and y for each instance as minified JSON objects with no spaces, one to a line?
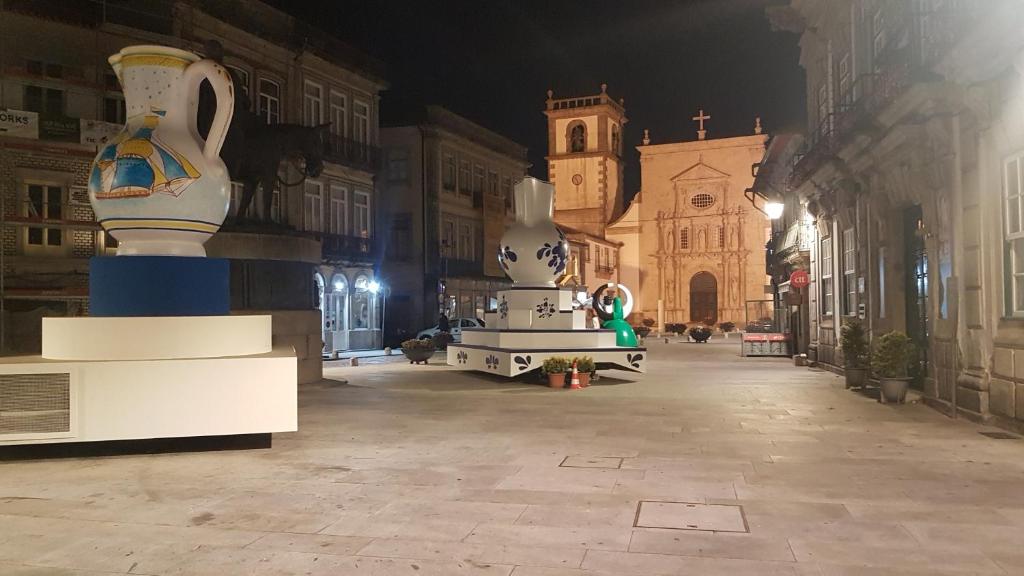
{"x":1000,"y":435}
{"x":690,"y":516}
{"x":591,"y":462}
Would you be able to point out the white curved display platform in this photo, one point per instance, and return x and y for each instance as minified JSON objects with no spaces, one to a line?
{"x":532,"y":325}
{"x":155,"y":338}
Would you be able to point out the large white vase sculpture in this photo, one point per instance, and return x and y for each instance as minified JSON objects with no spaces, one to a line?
{"x":533,"y":251}
{"x":157,"y":187}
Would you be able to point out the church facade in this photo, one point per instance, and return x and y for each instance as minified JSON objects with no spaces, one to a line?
{"x":692,"y":241}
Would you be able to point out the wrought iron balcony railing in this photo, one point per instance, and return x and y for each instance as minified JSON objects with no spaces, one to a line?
{"x":341,"y":247}
{"x":352,"y":153}
{"x":927,"y":36}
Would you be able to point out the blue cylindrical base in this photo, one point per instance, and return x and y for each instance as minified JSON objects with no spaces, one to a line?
{"x":158,"y":286}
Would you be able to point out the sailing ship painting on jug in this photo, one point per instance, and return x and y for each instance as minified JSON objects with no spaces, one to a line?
{"x":141,"y":165}
{"x":157,"y":187}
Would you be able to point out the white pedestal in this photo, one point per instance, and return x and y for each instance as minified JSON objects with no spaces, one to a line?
{"x":142,"y":378}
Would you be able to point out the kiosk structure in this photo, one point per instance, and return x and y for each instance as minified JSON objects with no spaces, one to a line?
{"x":536,"y":319}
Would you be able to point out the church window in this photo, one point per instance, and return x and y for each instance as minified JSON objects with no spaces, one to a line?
{"x":616,"y":142}
{"x":684,"y":239}
{"x":702,"y":200}
{"x":1013,"y":195}
{"x":849,"y":272}
{"x":506,"y":191}
{"x":721,"y":237}
{"x":577,"y":137}
{"x":826,"y":277}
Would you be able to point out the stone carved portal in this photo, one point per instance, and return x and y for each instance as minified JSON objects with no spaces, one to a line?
{"x":704,"y":298}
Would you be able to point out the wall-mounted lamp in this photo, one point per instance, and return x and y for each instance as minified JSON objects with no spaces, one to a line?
{"x":774,"y":209}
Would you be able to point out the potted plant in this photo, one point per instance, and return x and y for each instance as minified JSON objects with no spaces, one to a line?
{"x":441,"y":340}
{"x":676,"y":328}
{"x":700,"y":334}
{"x":585,"y":366}
{"x":856,"y":354}
{"x":890,"y":360}
{"x":555,"y":368}
{"x":641,"y":331}
{"x":727,"y":326}
{"x":418,"y":351}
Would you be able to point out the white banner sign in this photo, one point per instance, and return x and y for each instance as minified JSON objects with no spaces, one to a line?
{"x":19,"y":123}
{"x":97,"y":132}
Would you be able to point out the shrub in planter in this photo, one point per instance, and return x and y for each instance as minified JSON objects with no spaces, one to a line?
{"x":418,"y":350}
{"x":676,"y":328}
{"x":585,"y":366}
{"x":856,"y":354}
{"x":700,"y":333}
{"x":891,"y":361}
{"x":642,"y":331}
{"x":727,"y":326}
{"x":649,"y":322}
{"x":441,"y":340}
{"x":555,"y":368}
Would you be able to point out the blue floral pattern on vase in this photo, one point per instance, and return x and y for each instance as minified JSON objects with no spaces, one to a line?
{"x":556,"y":254}
{"x":506,"y":255}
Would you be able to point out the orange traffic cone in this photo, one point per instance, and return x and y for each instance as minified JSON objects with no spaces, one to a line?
{"x":575,"y":383}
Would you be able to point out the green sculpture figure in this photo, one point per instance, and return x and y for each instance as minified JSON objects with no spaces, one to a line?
{"x":624,"y":335}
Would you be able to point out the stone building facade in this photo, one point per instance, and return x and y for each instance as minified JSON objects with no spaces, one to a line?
{"x":446,"y":200}
{"x":912,"y":177}
{"x":698,"y":237}
{"x":54,"y":72}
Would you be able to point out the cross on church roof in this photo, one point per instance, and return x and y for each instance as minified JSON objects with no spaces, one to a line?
{"x":700,"y":118}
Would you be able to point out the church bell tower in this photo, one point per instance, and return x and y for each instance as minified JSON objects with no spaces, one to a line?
{"x":585,"y":159}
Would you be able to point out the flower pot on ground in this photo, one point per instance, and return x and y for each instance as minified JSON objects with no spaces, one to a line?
{"x":585,"y":367}
{"x":418,"y":351}
{"x":700,"y":333}
{"x":555,"y":367}
{"x":676,"y":328}
{"x":727,"y":326}
{"x":890,"y":361}
{"x":856,"y":354}
{"x":641,"y":331}
{"x":441,"y":340}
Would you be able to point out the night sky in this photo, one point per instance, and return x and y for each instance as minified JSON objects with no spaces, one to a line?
{"x":492,"y":61}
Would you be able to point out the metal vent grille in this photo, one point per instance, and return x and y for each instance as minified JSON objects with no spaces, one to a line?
{"x":35,"y":403}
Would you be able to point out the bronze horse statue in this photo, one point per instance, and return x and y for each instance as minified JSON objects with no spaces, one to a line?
{"x":253,"y":150}
{"x":266,"y":146}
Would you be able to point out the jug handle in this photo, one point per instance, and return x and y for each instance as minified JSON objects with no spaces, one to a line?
{"x":224,"y":90}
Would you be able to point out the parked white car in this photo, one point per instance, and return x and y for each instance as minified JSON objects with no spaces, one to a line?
{"x":457,"y":324}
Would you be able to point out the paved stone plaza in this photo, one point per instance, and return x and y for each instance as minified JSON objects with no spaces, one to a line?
{"x":428,"y":471}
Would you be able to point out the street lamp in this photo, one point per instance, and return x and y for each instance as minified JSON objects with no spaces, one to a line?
{"x":376,"y":288}
{"x":773,"y":209}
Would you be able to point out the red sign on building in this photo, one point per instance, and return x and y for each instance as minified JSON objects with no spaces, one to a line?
{"x":799,"y":279}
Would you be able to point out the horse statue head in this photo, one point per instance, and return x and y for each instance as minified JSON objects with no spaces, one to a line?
{"x":312,"y":146}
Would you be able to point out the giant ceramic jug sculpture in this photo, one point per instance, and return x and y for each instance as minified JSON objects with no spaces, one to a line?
{"x":157,"y":187}
{"x":533,"y":251}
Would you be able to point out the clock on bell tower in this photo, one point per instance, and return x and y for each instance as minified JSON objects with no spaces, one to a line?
{"x":585,"y":159}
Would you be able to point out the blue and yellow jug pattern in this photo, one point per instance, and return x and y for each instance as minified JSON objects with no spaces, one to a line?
{"x":139,"y":165}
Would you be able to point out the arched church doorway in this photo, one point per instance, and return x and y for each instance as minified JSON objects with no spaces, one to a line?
{"x":704,"y":298}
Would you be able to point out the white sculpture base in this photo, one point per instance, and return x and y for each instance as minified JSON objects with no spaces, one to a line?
{"x":534,"y":324}
{"x":161,"y":387}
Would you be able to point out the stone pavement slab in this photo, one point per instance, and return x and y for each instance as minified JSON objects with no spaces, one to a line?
{"x":406,"y":470}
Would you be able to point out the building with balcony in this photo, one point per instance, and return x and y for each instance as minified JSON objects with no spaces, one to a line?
{"x":446,"y":195}
{"x":60,"y":99}
{"x":911,"y":181}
